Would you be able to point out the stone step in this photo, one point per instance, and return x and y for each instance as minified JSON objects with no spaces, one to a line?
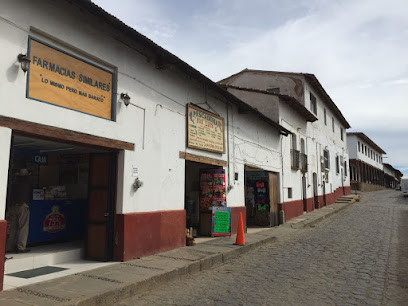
{"x":41,"y":256}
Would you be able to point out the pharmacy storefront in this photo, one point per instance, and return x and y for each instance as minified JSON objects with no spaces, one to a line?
{"x":61,"y":184}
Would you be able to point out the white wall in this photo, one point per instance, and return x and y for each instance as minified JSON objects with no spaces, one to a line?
{"x":352,"y":146}
{"x":323,"y":137}
{"x":361,"y":155}
{"x":155,"y":120}
{"x":292,"y":178}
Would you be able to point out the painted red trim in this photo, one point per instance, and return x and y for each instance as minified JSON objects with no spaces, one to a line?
{"x":294,"y":209}
{"x":235,"y":217}
{"x":3,"y":235}
{"x":291,"y":209}
{"x":146,"y":233}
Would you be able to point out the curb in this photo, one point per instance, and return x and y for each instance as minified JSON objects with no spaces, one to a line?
{"x":128,"y":290}
{"x":124,"y":290}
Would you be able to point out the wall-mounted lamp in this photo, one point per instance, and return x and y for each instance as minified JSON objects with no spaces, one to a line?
{"x":137,"y":184}
{"x":24,"y":61}
{"x":126,"y":99}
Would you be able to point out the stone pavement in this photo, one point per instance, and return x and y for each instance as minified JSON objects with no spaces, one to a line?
{"x":358,"y":257}
{"x":111,"y":284}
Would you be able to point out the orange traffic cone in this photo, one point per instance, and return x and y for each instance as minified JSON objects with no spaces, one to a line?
{"x":240,"y":232}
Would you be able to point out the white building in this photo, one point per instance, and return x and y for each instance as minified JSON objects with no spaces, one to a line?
{"x":100,"y":120}
{"x":315,"y":158}
{"x":366,"y":162}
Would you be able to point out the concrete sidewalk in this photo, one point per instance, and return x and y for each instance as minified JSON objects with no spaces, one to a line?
{"x":110,"y":284}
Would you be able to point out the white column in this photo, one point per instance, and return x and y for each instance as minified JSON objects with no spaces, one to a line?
{"x":5,"y":142}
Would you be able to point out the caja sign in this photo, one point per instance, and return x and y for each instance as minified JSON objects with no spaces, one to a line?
{"x":40,"y":159}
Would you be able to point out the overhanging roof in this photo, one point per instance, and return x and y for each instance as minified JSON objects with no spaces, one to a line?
{"x":314,"y":82}
{"x":162,"y":57}
{"x":288,"y":100}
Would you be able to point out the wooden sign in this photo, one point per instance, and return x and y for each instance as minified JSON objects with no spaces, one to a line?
{"x":205,"y":130}
{"x":221,"y":221}
{"x":62,"y":79}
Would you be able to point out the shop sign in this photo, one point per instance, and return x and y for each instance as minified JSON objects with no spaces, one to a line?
{"x":205,"y":130}
{"x":221,"y":221}
{"x":62,"y":79}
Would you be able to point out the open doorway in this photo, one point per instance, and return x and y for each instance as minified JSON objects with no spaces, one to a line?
{"x":71,"y":202}
{"x":261,"y":197}
{"x":204,"y":188}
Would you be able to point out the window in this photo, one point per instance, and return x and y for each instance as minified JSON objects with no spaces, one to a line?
{"x":295,"y":154}
{"x":358,"y":146}
{"x":325,"y":117}
{"x":294,"y":142}
{"x":313,"y":105}
{"x":337,"y":164}
{"x":341,"y":133}
{"x":326,"y":157}
{"x":333,"y":124}
{"x":345,"y":168}
{"x":289,"y":192}
{"x":303,"y":156}
{"x":275,"y":90}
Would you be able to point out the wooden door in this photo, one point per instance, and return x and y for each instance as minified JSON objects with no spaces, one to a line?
{"x":102,"y":181}
{"x":304,"y":193}
{"x":315,"y":195}
{"x":273,"y":198}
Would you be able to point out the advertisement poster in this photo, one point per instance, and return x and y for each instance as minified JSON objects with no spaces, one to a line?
{"x":212,"y":189}
{"x":221,"y":221}
{"x":205,"y":130}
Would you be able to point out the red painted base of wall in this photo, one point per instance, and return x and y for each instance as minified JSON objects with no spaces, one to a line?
{"x":291,"y":209}
{"x":295,"y":208}
{"x":3,"y":235}
{"x":235,"y":218}
{"x":141,"y":234}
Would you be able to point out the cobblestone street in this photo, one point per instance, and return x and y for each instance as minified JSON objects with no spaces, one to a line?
{"x":357,"y":257}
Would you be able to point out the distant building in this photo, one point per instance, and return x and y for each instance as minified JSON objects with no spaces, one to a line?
{"x":366,"y":162}
{"x":392,"y":176}
{"x":315,"y":157}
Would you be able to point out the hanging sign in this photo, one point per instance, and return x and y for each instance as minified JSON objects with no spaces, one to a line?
{"x":62,"y":79}
{"x":205,"y":130}
{"x":221,"y":221}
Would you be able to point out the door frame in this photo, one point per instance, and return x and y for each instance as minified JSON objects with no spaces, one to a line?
{"x":273,"y":199}
{"x":315,"y":191}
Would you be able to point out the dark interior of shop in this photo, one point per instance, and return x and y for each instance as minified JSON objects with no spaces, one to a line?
{"x":58,"y":174}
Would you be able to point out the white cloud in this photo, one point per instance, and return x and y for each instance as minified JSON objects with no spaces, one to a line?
{"x":357,"y":49}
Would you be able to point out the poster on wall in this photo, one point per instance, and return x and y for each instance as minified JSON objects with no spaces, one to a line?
{"x":212,"y":189}
{"x":59,"y":78}
{"x":205,"y":130}
{"x":221,"y":221}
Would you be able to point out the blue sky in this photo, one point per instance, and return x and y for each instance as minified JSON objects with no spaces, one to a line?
{"x":357,"y":49}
